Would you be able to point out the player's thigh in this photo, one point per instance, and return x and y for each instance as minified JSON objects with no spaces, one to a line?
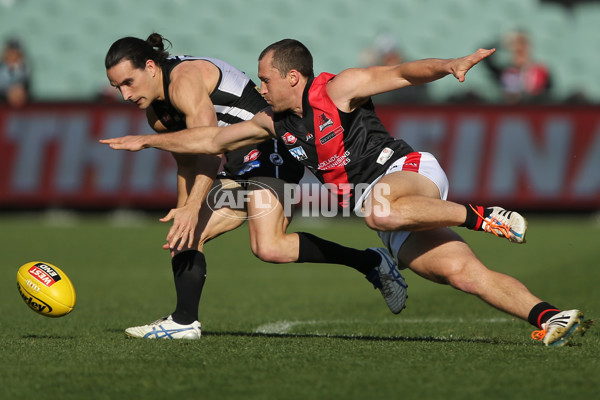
{"x":212,"y":224}
{"x":220,"y":212}
{"x":404,"y":183}
{"x":438,"y":255}
{"x":267,"y":216}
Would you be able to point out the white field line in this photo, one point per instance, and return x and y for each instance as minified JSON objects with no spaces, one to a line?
{"x":283,"y":327}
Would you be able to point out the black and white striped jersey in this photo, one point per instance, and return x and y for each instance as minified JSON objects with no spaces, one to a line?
{"x":235,"y":99}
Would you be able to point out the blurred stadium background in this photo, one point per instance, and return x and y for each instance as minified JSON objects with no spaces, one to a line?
{"x":67,"y":39}
{"x":542,"y":156}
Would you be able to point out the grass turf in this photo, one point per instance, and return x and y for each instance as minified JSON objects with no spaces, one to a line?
{"x":289,"y":331}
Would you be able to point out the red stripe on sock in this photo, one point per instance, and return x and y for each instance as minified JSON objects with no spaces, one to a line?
{"x":479,"y":210}
{"x":539,"y":320}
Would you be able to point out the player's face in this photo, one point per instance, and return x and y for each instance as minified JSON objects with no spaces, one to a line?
{"x":273,"y":87}
{"x":136,"y":85}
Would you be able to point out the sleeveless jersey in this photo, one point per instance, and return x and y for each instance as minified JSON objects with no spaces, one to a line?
{"x":341,"y":149}
{"x":235,"y":99}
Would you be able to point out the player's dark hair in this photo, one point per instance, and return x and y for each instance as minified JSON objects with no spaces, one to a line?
{"x":138,"y":51}
{"x":290,"y":54}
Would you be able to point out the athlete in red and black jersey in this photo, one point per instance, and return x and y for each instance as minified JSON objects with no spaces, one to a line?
{"x":406,"y":202}
{"x":341,"y":149}
{"x":181,"y":92}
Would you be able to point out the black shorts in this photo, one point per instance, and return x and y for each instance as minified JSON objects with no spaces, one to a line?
{"x":267,"y":159}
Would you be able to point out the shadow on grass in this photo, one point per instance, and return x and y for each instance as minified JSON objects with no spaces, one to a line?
{"x":438,"y":339}
{"x":48,"y":337}
{"x":424,"y":339}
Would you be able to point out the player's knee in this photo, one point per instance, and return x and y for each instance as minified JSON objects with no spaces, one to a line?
{"x":269,"y":252}
{"x":387,"y":222}
{"x":464,"y":276}
{"x":376,"y":222}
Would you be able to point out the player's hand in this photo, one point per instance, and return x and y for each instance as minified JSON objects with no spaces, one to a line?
{"x":131,"y":143}
{"x":182,"y":231}
{"x":461,"y":66}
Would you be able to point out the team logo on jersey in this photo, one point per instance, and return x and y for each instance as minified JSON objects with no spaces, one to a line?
{"x":253,"y":155}
{"x":288,"y":138}
{"x":299,"y":153}
{"x":324,"y":122}
{"x":309,"y":136}
{"x":331,"y":135}
{"x":276,"y":159}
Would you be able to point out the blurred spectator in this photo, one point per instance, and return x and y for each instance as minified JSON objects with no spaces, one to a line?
{"x":522,"y":80}
{"x":385,"y":51}
{"x":15,"y":74}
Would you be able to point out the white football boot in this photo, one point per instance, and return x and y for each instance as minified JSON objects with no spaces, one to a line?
{"x":389,"y":281}
{"x":166,"y":328}
{"x":504,"y":223}
{"x":560,"y":329}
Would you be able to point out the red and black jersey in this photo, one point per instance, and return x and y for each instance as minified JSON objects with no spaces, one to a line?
{"x":341,"y":149}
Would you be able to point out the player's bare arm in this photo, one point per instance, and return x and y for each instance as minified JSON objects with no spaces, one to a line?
{"x":254,"y":131}
{"x":202,"y":140}
{"x":190,"y":95}
{"x":353,"y":86}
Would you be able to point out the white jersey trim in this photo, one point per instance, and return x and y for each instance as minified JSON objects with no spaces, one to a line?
{"x":233,"y":80}
{"x":234,"y":111}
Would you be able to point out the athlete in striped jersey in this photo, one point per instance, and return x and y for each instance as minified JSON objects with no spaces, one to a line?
{"x":329,"y":124}
{"x":180,"y":92}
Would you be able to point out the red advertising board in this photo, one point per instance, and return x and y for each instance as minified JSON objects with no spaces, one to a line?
{"x":542,"y":157}
{"x":50,"y":157}
{"x":529,"y":157}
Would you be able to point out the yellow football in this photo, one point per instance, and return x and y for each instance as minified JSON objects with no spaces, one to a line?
{"x":46,"y":289}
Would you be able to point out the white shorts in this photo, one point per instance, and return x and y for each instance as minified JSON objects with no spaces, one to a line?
{"x":422,"y":163}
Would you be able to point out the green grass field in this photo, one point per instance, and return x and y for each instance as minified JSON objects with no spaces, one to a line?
{"x":296,"y":331}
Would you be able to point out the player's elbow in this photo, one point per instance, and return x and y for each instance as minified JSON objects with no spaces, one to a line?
{"x":213,"y":148}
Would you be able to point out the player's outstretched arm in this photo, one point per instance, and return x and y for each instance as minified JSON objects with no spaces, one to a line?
{"x":193,"y":140}
{"x":353,"y":85}
{"x":200,"y":140}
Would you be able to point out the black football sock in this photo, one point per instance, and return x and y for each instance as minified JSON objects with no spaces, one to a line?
{"x":316,"y":250}
{"x":475,"y":216}
{"x":540,"y":313}
{"x":189,"y":272}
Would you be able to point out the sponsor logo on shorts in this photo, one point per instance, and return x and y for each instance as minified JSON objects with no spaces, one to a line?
{"x":253,"y":155}
{"x":299,"y":153}
{"x":44,"y":273}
